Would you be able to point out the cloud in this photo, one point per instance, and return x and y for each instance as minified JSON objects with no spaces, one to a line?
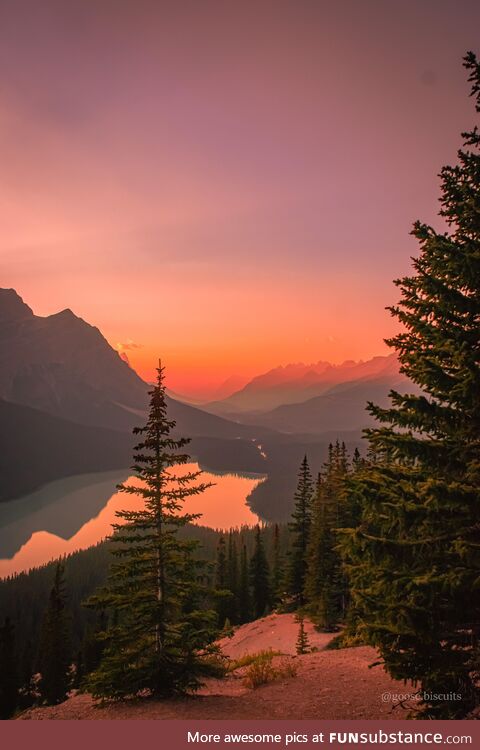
{"x":123,"y":348}
{"x":127,"y":346}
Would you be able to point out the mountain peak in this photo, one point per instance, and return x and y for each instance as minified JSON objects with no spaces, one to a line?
{"x":12,"y":307}
{"x":66,"y":315}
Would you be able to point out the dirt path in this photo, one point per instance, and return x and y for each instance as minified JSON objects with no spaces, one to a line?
{"x":327,"y":685}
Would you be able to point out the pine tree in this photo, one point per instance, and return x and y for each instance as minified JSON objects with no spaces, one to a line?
{"x":159,"y":630}
{"x":8,"y":671}
{"x":244,"y":600}
{"x":414,"y":558}
{"x":79,"y":670}
{"x":26,"y":661}
{"x":259,"y":577}
{"x":221,"y":565}
{"x":93,"y":644}
{"x":55,"y":657}
{"x":357,"y":460}
{"x":303,"y":644}
{"x":325,"y":584}
{"x":277,"y":567}
{"x":232,"y":578}
{"x":223,"y":596}
{"x":300,"y":531}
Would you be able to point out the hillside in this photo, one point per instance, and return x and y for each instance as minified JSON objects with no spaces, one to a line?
{"x":37,"y":448}
{"x":334,"y":684}
{"x":341,"y":409}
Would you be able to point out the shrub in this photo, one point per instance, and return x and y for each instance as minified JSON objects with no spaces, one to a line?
{"x":247,"y":659}
{"x":262,"y":670}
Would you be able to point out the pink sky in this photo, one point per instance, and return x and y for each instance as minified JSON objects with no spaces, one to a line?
{"x":229,"y":186}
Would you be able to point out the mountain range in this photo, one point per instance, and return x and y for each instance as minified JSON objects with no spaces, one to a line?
{"x":297,"y":383}
{"x":342,"y":408}
{"x":68,"y":403}
{"x":64,"y":366}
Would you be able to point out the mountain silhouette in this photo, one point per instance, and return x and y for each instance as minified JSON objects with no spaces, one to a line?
{"x":62,"y":365}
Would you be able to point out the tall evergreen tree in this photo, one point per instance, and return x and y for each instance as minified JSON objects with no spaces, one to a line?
{"x":414,"y":558}
{"x":259,"y":577}
{"x":26,"y":662}
{"x":157,"y":639}
{"x":300,"y":532}
{"x":223,"y":596}
{"x":357,"y":461}
{"x":244,"y":599}
{"x":55,"y":655}
{"x":302,"y":645}
{"x":325,"y":585}
{"x":277,"y":567}
{"x":93,"y":644}
{"x":8,"y":671}
{"x":221,"y":565}
{"x":232,"y":578}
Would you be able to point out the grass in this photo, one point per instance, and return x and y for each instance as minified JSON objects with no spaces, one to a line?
{"x":345,"y":639}
{"x":248,"y":659}
{"x":261,"y":669}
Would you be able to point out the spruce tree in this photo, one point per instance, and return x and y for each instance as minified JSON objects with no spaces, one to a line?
{"x":357,"y":460}
{"x":414,"y":558}
{"x":223,"y":596}
{"x":93,"y":644}
{"x":277,"y":567}
{"x":221,"y":565}
{"x":79,"y":670}
{"x":303,"y":644}
{"x":325,"y":584}
{"x":244,"y":599}
{"x":159,"y":632}
{"x":300,"y":532}
{"x":8,"y":671}
{"x":232,"y":578}
{"x":26,"y":662}
{"x":259,"y":577}
{"x":55,"y":656}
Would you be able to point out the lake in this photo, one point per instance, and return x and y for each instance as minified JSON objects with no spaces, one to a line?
{"x":74,"y":513}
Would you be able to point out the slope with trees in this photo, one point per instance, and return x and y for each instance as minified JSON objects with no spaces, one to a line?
{"x":414,"y":558}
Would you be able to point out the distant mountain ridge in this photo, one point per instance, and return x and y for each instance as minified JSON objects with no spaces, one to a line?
{"x":298,"y":383}
{"x":342,"y":408}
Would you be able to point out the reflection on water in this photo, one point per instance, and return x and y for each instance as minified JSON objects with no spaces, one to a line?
{"x":74,"y":513}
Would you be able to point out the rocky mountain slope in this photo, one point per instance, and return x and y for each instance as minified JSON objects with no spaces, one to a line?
{"x":64,"y":366}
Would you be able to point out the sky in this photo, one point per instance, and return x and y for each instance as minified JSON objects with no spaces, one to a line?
{"x":227,"y":185}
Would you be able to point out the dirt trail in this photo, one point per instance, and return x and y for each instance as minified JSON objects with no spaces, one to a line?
{"x":328,"y":685}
